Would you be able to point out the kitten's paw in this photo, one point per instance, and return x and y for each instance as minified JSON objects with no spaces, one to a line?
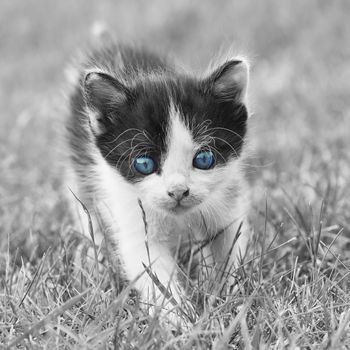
{"x":173,"y":317}
{"x":170,"y":305}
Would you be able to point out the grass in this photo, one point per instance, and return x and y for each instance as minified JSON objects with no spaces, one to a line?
{"x":293,"y":290}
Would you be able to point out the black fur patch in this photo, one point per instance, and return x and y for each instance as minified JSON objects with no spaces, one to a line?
{"x":139,"y":125}
{"x":136,"y":127}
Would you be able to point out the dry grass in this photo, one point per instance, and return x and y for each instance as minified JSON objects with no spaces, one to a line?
{"x":293,"y":292}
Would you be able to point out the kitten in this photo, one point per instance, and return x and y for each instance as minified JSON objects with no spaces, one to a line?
{"x":157,"y":155}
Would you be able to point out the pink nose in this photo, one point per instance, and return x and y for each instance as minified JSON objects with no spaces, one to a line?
{"x":178,"y":194}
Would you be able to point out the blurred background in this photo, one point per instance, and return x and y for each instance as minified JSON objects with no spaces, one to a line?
{"x":300,"y":84}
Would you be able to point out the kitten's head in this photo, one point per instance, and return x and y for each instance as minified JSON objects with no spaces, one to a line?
{"x":175,"y":138}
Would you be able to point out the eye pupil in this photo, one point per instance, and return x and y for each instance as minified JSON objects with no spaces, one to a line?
{"x":144,"y":165}
{"x":204,"y":160}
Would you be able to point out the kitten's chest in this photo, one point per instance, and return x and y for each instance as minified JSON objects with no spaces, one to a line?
{"x":172,"y":231}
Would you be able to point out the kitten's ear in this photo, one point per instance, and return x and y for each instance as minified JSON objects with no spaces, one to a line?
{"x":230,"y":81}
{"x":102,"y":93}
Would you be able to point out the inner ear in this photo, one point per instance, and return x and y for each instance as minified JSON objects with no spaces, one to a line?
{"x":230,"y":81}
{"x":103,"y":95}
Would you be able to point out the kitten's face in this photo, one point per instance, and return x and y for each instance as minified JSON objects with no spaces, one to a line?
{"x":175,"y":139}
{"x":194,"y":163}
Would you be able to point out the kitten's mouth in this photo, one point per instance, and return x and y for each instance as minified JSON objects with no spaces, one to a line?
{"x":179,"y":208}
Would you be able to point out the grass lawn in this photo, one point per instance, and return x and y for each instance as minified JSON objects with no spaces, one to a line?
{"x":294,"y":290}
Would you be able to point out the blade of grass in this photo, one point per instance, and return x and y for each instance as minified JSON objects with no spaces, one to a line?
{"x":53,"y":314}
{"x":91,"y":232}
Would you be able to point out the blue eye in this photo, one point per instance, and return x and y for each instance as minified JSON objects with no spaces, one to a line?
{"x":144,"y":165}
{"x":204,"y":160}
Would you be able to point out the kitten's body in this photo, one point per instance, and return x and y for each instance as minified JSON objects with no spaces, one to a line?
{"x":127,"y":103}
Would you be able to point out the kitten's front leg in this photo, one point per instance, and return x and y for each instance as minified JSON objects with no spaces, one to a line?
{"x":227,"y":249}
{"x":153,"y":271}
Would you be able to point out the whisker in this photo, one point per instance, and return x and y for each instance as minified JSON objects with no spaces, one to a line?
{"x":130,"y":153}
{"x":124,"y":132}
{"x":119,"y":144}
{"x":224,"y":141}
{"x":228,"y":130}
{"x":217,"y":151}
